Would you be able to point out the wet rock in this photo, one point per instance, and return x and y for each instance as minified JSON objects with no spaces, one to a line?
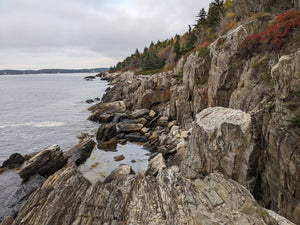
{"x":135,"y":137}
{"x":13,"y":203}
{"x":81,"y":152}
{"x":110,"y":145}
{"x":133,"y":161}
{"x":14,"y":161}
{"x":45,"y":163}
{"x":155,"y":164}
{"x":82,"y":136}
{"x":97,"y":99}
{"x":129,"y":127}
{"x":101,"y":117}
{"x":106,"y":132}
{"x":119,"y":158}
{"x":120,"y":173}
{"x":89,"y":101}
{"x":89,"y":78}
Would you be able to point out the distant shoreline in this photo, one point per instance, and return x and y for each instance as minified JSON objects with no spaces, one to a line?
{"x":19,"y":72}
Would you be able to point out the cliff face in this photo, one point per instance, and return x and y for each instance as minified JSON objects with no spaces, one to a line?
{"x":232,"y":140}
{"x":266,"y":156}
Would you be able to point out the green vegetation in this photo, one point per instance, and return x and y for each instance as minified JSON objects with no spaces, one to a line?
{"x":147,"y":72}
{"x":295,"y":121}
{"x":159,"y":55}
{"x":262,"y":66}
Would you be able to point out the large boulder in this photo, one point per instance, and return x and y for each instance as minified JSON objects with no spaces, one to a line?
{"x":45,"y":163}
{"x":221,"y":140}
{"x":14,"y":161}
{"x":80,"y":152}
{"x":109,"y":107}
{"x":101,"y":117}
{"x":106,"y":132}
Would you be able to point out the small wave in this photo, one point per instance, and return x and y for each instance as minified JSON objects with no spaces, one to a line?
{"x":35,"y":124}
{"x":48,"y":124}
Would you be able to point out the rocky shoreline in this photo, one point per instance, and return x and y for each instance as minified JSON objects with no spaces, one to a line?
{"x":217,"y":147}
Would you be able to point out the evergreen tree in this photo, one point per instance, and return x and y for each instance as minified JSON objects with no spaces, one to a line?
{"x":202,"y":17}
{"x":177,"y":47}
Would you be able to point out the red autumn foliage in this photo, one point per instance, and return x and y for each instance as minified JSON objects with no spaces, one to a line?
{"x":275,"y":35}
{"x":205,"y":44}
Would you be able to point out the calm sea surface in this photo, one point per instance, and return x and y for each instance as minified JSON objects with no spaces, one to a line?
{"x":40,"y":110}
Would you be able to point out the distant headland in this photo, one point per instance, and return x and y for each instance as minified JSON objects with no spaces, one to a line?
{"x":94,"y":70}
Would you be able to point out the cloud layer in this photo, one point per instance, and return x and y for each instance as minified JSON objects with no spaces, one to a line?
{"x":38,"y":34}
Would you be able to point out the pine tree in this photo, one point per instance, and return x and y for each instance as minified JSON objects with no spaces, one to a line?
{"x":202,"y":17}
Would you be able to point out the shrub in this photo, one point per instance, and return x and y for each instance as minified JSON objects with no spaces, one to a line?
{"x":203,"y":50}
{"x":275,"y":35}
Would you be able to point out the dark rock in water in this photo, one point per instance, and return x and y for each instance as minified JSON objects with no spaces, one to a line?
{"x":101,"y":118}
{"x":18,"y":196}
{"x":121,"y":172}
{"x":89,"y":78}
{"x":89,"y":101}
{"x":58,"y":200}
{"x":110,"y":145}
{"x":97,"y":99}
{"x":135,"y":137}
{"x":45,"y":163}
{"x":106,"y":132}
{"x":81,"y":152}
{"x":14,"y":161}
{"x":119,"y":158}
{"x":8,"y":220}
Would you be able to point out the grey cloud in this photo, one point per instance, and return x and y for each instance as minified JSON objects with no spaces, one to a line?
{"x":107,"y":30}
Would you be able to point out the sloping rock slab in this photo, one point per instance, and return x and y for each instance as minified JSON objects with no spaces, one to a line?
{"x":81,"y":152}
{"x":45,"y":163}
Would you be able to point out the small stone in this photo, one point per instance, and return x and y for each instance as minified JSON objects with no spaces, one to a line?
{"x":153,"y":137}
{"x":145,"y":130}
{"x":119,"y":158}
{"x":163,"y":121}
{"x":133,"y":161}
{"x":152,"y":113}
{"x":171,"y":124}
{"x":89,"y":101}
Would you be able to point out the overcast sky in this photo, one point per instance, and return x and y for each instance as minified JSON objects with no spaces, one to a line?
{"x":36,"y":34}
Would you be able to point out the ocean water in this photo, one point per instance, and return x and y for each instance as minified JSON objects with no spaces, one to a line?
{"x":44,"y":109}
{"x":37,"y":111}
